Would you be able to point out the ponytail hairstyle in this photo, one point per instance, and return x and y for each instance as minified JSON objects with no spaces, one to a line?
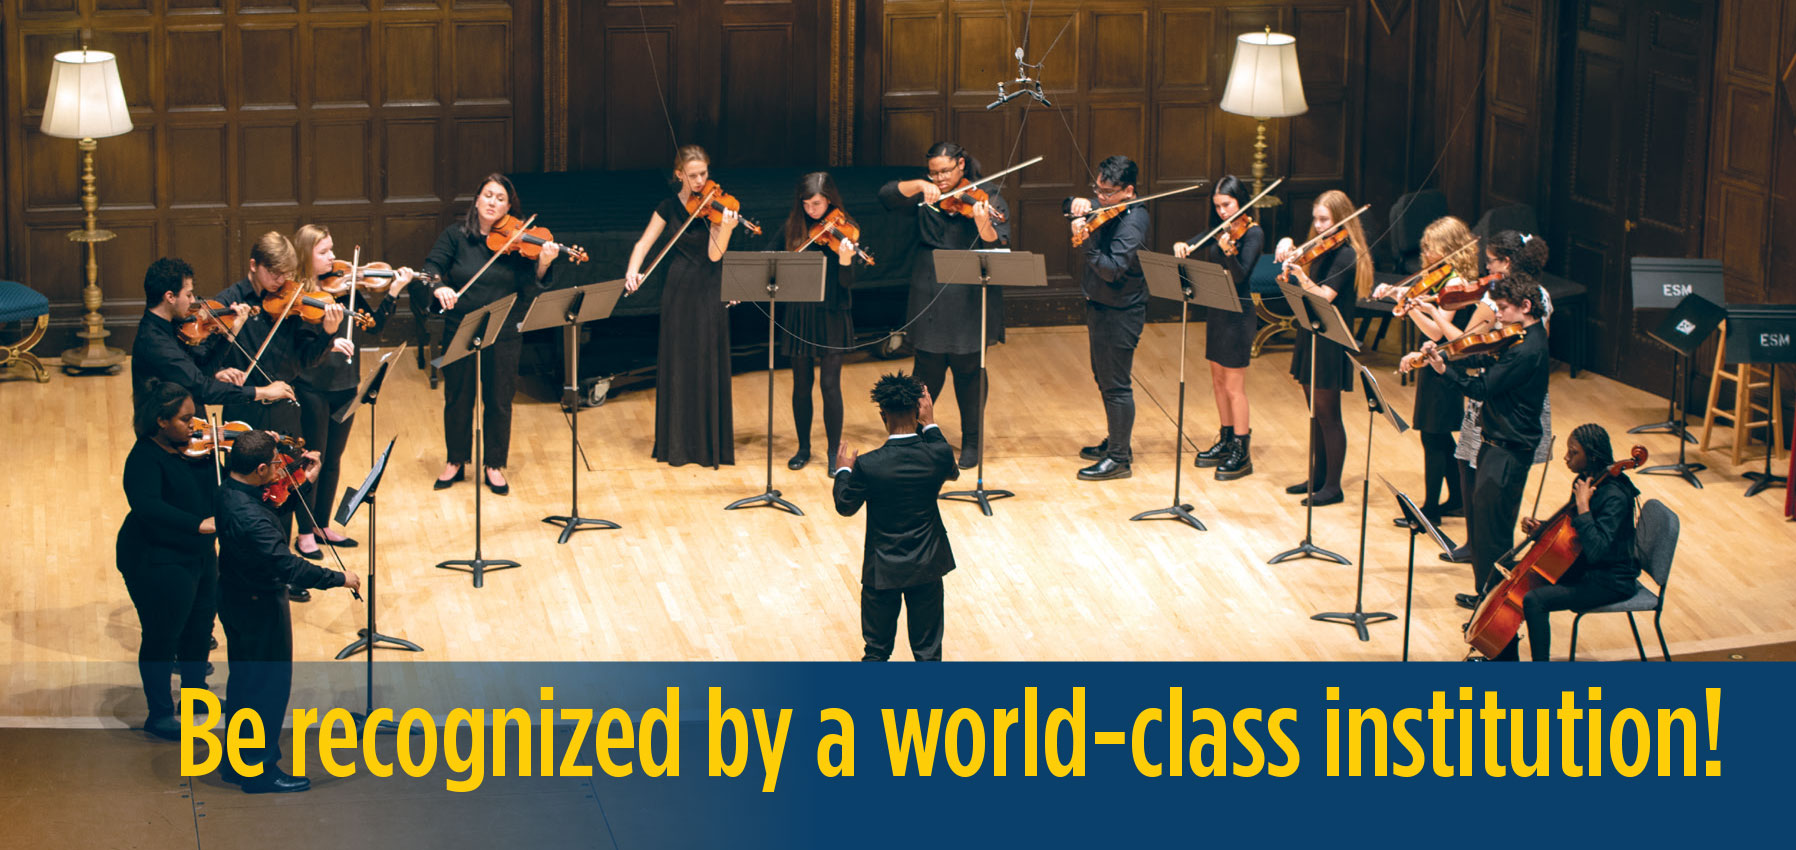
{"x":1525,"y":253}
{"x":686,"y":154}
{"x":161,"y":401}
{"x":798,"y":225}
{"x":1339,"y":207}
{"x":954,"y":151}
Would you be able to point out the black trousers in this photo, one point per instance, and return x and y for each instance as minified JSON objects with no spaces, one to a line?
{"x":1497,"y":501}
{"x":175,"y":606}
{"x":932,"y":369}
{"x":1113,"y":333}
{"x":499,"y":382}
{"x":879,"y":620}
{"x":328,"y":437}
{"x":259,"y":641}
{"x":1438,"y":469}
{"x":1538,"y":605}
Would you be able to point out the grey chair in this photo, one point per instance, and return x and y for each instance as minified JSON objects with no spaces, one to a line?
{"x":1410,"y":215}
{"x":1655,"y":541}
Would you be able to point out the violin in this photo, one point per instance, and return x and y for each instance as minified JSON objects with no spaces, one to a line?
{"x":962,"y":204}
{"x":1323,"y":243}
{"x":1236,"y":230}
{"x":290,"y":475}
{"x":1553,"y":548}
{"x":835,"y":227}
{"x":308,"y":307}
{"x":207,"y":318}
{"x":201,"y":441}
{"x":1422,"y":283}
{"x":373,"y":277}
{"x":1095,"y":220}
{"x":530,"y":244}
{"x":1472,"y":344}
{"x":710,"y":202}
{"x":1462,"y":294}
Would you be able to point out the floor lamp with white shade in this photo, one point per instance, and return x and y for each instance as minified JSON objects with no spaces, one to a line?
{"x":1264,"y":84}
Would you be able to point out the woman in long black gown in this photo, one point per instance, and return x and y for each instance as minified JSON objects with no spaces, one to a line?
{"x":1342,"y":276}
{"x":944,"y":319}
{"x":817,"y":334}
{"x":692,"y":364}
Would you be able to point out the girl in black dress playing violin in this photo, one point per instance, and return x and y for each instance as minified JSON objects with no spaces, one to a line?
{"x":1228,"y":337}
{"x":818,"y":333}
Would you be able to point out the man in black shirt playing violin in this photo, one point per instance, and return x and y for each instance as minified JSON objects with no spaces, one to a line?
{"x":159,"y":353}
{"x":1115,"y":307}
{"x":1513,"y":387}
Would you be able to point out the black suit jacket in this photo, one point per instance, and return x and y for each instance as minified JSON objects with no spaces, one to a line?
{"x":907,"y":544}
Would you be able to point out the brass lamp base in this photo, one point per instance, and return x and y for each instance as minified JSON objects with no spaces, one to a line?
{"x":1259,"y":167}
{"x":94,"y":356}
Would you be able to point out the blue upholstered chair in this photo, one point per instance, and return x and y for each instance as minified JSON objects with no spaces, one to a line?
{"x":20,"y":303}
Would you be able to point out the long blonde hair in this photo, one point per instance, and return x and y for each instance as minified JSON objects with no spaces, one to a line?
{"x":1448,"y":238}
{"x":305,"y":239}
{"x":1339,"y":207}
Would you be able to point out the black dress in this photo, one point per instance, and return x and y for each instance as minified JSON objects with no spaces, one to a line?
{"x":1228,"y":337}
{"x":819,"y":329}
{"x":944,"y":318}
{"x":692,"y":366}
{"x":1335,"y":269}
{"x":1440,"y":406}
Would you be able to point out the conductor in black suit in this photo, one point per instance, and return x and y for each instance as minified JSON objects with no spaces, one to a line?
{"x":907,"y":550}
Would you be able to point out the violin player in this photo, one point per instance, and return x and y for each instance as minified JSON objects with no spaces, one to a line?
{"x":1228,"y":336}
{"x":158,"y":353}
{"x":255,"y":569}
{"x":459,"y":253}
{"x":693,"y":422}
{"x":272,"y":263}
{"x":1512,"y":389}
{"x":1115,"y":307}
{"x":944,"y":319}
{"x":818,"y":333}
{"x":1342,"y":275}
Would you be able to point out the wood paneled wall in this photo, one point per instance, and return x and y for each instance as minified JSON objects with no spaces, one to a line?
{"x":374,"y":117}
{"x":1134,"y":77}
{"x":1751,"y":200}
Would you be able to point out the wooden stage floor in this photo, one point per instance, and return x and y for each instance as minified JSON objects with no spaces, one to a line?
{"x":1059,"y":573}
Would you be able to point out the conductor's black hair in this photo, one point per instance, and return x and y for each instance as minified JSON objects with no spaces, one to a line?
{"x":897,"y":393}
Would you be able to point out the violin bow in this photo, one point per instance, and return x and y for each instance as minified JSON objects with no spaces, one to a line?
{"x":496,"y":255}
{"x":295,"y":494}
{"x":298,"y":291}
{"x":1133,"y":201}
{"x":690,"y":218}
{"x":217,"y":420}
{"x":974,"y":184}
{"x":1330,"y":231}
{"x":1218,"y":229}
{"x":355,"y":277}
{"x":1406,"y":282}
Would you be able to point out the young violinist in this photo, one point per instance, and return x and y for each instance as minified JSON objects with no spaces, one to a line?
{"x":818,"y":334}
{"x":944,"y":319}
{"x":166,"y":549}
{"x":1439,"y":405}
{"x":1342,"y":276}
{"x":254,"y":570}
{"x":459,"y":253}
{"x":1228,"y":336}
{"x":324,"y":386}
{"x":1503,"y":252}
{"x":1115,"y":307}
{"x":159,"y":354}
{"x":1602,"y":515}
{"x":1512,"y":389}
{"x":693,"y":421}
{"x":284,"y":348}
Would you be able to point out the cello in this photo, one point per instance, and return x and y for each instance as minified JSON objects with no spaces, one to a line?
{"x":1554,"y":549}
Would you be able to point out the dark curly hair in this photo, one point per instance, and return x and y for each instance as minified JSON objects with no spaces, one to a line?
{"x":161,"y":401}
{"x":1517,"y":287}
{"x":897,"y":393}
{"x":165,"y":277}
{"x":1526,"y":254}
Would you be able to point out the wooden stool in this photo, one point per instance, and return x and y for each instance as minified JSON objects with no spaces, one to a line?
{"x":20,"y":303}
{"x":1746,"y":378}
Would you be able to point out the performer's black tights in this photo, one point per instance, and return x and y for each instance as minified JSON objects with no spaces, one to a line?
{"x":1438,"y":466}
{"x":832,"y":399}
{"x":1329,"y":437}
{"x":932,"y":369}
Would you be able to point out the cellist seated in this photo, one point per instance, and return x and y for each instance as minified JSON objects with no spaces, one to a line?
{"x":1603,"y":517}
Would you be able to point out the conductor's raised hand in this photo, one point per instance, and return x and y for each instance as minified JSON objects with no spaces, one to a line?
{"x":845,"y":456}
{"x":925,"y":410}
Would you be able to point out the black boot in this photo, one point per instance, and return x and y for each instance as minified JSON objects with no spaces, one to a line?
{"x":1239,"y":463}
{"x":969,"y":451}
{"x":1216,"y":454}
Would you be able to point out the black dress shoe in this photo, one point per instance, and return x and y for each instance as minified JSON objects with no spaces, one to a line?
{"x":1096,"y":452}
{"x":799,"y":460}
{"x":969,"y":454}
{"x":461,"y":473}
{"x":498,"y":489}
{"x":214,"y":644}
{"x":1455,"y":510}
{"x":274,"y":781}
{"x":299,"y":594}
{"x":1460,"y":555}
{"x":1301,"y":488}
{"x":1404,"y":522}
{"x":1466,"y":601}
{"x":1322,"y":500}
{"x":166,"y":727}
{"x":1104,"y":470}
{"x":345,"y":543}
{"x":314,"y":555}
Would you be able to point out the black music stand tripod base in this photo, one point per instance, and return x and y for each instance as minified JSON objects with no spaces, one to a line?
{"x":1306,"y":549}
{"x":1182,"y":513}
{"x":363,"y":641}
{"x":771,"y":499}
{"x":1357,"y":619}
{"x":979,"y":495}
{"x":1762,"y":481}
{"x":478,"y":567}
{"x":571,"y":524}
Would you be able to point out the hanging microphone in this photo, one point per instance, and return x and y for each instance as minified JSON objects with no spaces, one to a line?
{"x":1025,"y":85}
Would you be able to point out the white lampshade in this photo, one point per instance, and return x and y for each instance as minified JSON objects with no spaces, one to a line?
{"x":1263,"y":82}
{"x":86,"y":100}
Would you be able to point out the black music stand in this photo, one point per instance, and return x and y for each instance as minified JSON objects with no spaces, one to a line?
{"x":1685,"y":328}
{"x":477,"y":330}
{"x":773,"y":276}
{"x":985,"y":269}
{"x":1418,"y":525}
{"x":1186,"y":281}
{"x":568,"y":309}
{"x":367,"y":393}
{"x":1762,"y":334}
{"x":1314,"y":315}
{"x":1375,"y":404}
{"x":1661,"y":283}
